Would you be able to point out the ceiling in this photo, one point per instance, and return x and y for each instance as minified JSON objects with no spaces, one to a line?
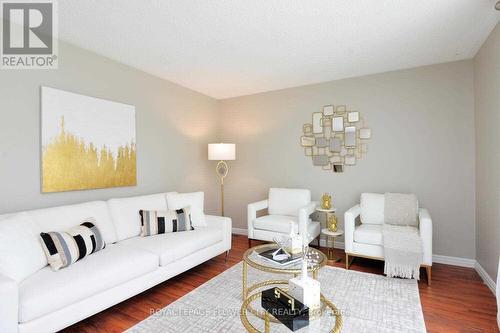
{"x":238,"y":47}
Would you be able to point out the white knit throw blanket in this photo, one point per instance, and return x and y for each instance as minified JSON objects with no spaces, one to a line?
{"x":402,"y":243}
{"x":402,"y":251}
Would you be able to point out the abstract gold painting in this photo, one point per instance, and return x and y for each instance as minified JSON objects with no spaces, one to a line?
{"x":87,"y":142}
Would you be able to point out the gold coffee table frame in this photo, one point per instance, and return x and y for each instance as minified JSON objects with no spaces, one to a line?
{"x":246,"y":307}
{"x":247,"y":261}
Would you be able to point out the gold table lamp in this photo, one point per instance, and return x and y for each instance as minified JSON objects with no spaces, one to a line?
{"x":222,"y":152}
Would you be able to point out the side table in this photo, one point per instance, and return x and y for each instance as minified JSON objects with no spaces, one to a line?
{"x":330,"y":238}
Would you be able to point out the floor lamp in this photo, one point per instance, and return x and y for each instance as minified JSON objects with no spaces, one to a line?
{"x":221,"y":152}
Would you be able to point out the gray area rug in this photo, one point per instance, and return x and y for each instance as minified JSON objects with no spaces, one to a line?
{"x":368,"y":303}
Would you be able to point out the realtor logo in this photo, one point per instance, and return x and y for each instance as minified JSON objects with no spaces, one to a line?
{"x":29,"y":34}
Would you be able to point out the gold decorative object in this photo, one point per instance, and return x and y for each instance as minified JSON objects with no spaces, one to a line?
{"x":326,"y":201}
{"x":331,"y":222}
{"x":330,"y":242}
{"x":330,"y":133}
{"x":87,"y":142}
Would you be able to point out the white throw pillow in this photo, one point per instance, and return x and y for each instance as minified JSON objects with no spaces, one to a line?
{"x":194,"y":200}
{"x":21,"y":252}
{"x":372,"y":208}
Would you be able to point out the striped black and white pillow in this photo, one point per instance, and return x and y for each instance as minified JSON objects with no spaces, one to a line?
{"x":65,"y":248}
{"x":156,"y":222}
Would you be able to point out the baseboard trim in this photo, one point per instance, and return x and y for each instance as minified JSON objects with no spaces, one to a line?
{"x":486,"y":277}
{"x":455,"y":261}
{"x":240,"y":231}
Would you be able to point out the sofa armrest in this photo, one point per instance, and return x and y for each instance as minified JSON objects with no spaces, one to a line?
{"x":349,"y":226}
{"x":227,"y":227}
{"x":252,"y":210}
{"x":9,"y":302}
{"x":304,"y":214}
{"x":425,"y":226}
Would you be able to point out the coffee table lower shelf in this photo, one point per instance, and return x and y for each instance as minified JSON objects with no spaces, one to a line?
{"x":247,"y":308}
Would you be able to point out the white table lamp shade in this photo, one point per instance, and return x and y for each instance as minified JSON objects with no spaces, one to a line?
{"x":221,"y":151}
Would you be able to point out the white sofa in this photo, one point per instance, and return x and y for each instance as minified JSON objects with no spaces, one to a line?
{"x":364,"y":239}
{"x":47,"y":301}
{"x":284,"y":206}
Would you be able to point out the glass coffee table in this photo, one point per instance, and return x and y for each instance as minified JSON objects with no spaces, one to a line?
{"x":328,"y":319}
{"x":252,"y":259}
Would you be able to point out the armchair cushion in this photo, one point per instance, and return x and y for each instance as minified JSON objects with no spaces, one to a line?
{"x":285,"y":201}
{"x":276,"y":223}
{"x":372,"y":208}
{"x":368,"y":234}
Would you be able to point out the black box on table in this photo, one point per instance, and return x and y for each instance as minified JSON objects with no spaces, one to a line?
{"x":289,"y":311}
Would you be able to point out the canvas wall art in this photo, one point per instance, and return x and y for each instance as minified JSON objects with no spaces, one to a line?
{"x":87,"y":142}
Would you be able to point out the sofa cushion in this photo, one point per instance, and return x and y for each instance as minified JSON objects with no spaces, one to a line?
{"x":368,"y":234}
{"x":125,"y":213}
{"x":286,"y":201}
{"x":193,"y":200}
{"x":372,"y":208}
{"x":21,"y":252}
{"x":276,"y":223}
{"x":65,"y":217}
{"x":47,"y":291}
{"x":177,"y":245}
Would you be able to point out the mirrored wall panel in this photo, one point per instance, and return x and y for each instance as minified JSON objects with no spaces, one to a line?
{"x":337,"y":137}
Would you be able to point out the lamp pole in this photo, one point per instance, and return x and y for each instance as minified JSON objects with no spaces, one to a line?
{"x":221,"y":152}
{"x":222,"y":169}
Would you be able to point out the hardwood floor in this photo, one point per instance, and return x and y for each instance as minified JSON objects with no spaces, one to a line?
{"x":457,"y":301}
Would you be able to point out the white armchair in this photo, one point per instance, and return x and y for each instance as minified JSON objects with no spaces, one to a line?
{"x":364,"y":239}
{"x":284,"y":206}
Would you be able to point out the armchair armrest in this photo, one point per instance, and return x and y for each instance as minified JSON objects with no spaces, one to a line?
{"x":252,"y":210}
{"x":304,"y":213}
{"x":425,"y":226}
{"x":349,"y":226}
{"x":9,"y":302}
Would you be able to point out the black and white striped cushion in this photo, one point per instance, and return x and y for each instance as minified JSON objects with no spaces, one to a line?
{"x":156,"y":222}
{"x":65,"y":248}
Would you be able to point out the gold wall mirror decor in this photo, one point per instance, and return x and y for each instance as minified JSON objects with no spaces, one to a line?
{"x":350,"y":136}
{"x":317,"y":126}
{"x":328,"y":110}
{"x":307,"y":141}
{"x":338,"y":124}
{"x":336,"y":138}
{"x":353,"y":117}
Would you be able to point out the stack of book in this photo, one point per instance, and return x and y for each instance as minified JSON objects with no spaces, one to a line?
{"x":276,"y":257}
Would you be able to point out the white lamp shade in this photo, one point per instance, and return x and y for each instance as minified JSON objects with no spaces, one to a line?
{"x":221,"y":151}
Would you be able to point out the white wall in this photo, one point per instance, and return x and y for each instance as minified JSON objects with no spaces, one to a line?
{"x":174,"y":125}
{"x":422,"y":124}
{"x":487,"y":94}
